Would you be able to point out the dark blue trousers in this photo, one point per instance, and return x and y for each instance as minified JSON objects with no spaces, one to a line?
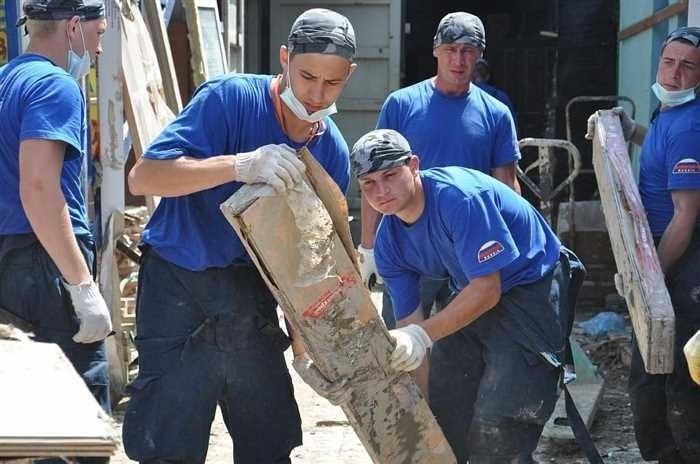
{"x":490,"y":390}
{"x":666,"y":408}
{"x":207,"y":338}
{"x":31,"y":289}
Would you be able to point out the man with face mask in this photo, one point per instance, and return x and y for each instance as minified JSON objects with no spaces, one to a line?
{"x":449,"y":122}
{"x":666,"y":408}
{"x":207,"y":331}
{"x":46,"y":248}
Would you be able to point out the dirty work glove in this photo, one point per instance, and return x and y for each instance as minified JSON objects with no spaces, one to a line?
{"x":627,"y":123}
{"x":92,"y":312}
{"x":412,"y":342}
{"x":276,"y":165}
{"x":336,"y":392}
{"x":368,"y":267}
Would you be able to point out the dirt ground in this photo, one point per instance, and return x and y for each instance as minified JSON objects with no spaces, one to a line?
{"x":329,"y":439}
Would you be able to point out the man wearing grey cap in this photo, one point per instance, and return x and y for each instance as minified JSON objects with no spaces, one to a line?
{"x":449,"y":122}
{"x":493,"y":375}
{"x":207,"y":330}
{"x":46,"y":248}
{"x":666,"y":408}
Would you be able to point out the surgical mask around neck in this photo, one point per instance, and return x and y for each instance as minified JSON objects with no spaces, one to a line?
{"x":673,"y":97}
{"x":78,"y":66}
{"x":298,"y":108}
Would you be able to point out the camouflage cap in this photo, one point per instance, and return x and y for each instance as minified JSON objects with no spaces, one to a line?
{"x":61,"y":9}
{"x":378,"y":150}
{"x":688,"y":33}
{"x":460,"y":27}
{"x":322,"y":31}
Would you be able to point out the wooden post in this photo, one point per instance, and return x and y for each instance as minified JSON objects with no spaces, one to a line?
{"x":113,"y":156}
{"x":639,"y":277}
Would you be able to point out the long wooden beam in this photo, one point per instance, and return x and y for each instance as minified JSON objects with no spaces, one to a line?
{"x":639,"y":279}
{"x":662,"y":15}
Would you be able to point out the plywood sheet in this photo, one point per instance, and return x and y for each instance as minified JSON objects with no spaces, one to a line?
{"x":47,"y":410}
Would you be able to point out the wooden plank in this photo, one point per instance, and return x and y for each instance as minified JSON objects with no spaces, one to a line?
{"x":161,"y":45}
{"x":639,"y":277}
{"x":199,"y":72}
{"x":146,"y":110}
{"x":40,"y":389}
{"x":662,"y":15}
{"x":292,"y":240}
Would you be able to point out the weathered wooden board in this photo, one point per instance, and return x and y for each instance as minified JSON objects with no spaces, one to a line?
{"x":46,"y":408}
{"x":292,"y":240}
{"x":144,"y":102}
{"x":161,"y":45}
{"x":639,"y":277}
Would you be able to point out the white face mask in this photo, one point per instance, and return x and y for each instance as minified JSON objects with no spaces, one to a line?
{"x":78,"y":66}
{"x":298,"y":108}
{"x":672,"y":97}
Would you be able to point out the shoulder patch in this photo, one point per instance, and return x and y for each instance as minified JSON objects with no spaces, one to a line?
{"x":489,"y":249}
{"x":686,"y":166}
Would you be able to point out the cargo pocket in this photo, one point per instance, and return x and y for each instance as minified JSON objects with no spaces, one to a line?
{"x":148,"y":413}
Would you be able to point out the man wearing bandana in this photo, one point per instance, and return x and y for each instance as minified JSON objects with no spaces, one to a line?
{"x":207,"y":330}
{"x":666,"y":408}
{"x":46,"y":248}
{"x":449,"y":121}
{"x":493,"y":384}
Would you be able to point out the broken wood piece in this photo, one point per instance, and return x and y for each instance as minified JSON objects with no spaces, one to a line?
{"x":640,"y":279}
{"x":333,"y":313}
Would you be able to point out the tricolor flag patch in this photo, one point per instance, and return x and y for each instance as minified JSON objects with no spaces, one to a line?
{"x":489,"y":249}
{"x":686,"y":166}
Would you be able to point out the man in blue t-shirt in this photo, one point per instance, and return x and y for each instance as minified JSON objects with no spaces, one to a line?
{"x":46,"y":249}
{"x":207,"y":330}
{"x":666,"y":408}
{"x":448,"y":122}
{"x":491,"y":388}
{"x":482,"y":76}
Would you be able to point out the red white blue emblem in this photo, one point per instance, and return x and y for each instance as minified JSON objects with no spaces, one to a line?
{"x":489,"y":249}
{"x":686,"y":166}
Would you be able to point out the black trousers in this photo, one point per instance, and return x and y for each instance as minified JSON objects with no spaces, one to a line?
{"x":666,"y":408}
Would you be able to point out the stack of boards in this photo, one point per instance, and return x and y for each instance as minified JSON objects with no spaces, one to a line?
{"x":46,"y":410}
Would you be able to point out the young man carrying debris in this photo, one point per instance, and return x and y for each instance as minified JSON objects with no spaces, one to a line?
{"x":666,"y":408}
{"x":46,"y":248}
{"x":490,"y":387}
{"x":448,"y":122}
{"x":207,"y":330}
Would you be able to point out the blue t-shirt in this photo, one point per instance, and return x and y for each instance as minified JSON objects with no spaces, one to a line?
{"x":473,"y":130}
{"x":472,"y":225}
{"x":670,"y":161}
{"x":499,"y":95}
{"x":39,"y":100}
{"x":230,"y":114}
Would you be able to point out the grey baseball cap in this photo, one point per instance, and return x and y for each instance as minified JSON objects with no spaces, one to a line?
{"x":319,"y":30}
{"x":61,"y":9}
{"x":378,"y":150}
{"x":460,"y":27}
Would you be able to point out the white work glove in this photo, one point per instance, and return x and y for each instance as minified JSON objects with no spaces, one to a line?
{"x":412,"y":342}
{"x":627,"y":123}
{"x":368,"y":267}
{"x":92,"y":312}
{"x":336,"y":393}
{"x":276,"y":165}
